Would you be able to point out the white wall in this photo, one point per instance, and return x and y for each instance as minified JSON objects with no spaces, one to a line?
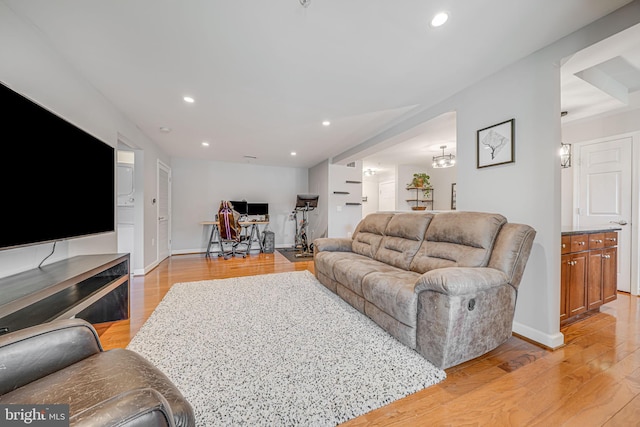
{"x":319,"y":184}
{"x":343,"y":218}
{"x":371,"y":191}
{"x":31,"y":67}
{"x":198,"y":186}
{"x":441,"y":180}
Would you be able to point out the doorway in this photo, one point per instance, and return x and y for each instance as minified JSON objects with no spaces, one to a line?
{"x":163,"y":207}
{"x":603,"y":194}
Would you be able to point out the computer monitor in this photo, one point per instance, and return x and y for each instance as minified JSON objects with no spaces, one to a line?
{"x":304,"y":199}
{"x":239,"y":206}
{"x":258,"y":209}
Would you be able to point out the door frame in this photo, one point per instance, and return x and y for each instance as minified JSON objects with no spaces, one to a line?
{"x":634,"y":256}
{"x":167,"y":169}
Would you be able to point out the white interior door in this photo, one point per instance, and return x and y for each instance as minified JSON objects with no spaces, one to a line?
{"x":604,"y":172}
{"x":387,"y":199}
{"x":164,"y":212}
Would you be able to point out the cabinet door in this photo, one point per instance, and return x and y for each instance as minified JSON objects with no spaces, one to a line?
{"x":609,"y":274}
{"x":594,"y":280}
{"x":565,"y":277}
{"x":577,"y":293}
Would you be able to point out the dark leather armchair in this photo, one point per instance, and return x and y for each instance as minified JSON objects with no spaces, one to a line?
{"x":63,"y":362}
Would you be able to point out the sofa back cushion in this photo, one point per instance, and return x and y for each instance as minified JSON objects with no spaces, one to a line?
{"x":402,"y":239}
{"x":369,"y":232}
{"x":458,"y":239}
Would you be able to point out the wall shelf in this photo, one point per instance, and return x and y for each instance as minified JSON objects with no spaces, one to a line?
{"x":417,"y":200}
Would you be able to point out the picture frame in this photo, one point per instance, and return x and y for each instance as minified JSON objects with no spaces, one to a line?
{"x":496,"y":144}
{"x":453,"y":196}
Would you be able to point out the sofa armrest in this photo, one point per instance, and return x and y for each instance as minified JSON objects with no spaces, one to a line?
{"x":460,"y":280}
{"x":141,"y":408}
{"x":32,"y":353}
{"x":332,"y":244}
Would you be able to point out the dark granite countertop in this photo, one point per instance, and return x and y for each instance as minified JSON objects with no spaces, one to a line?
{"x":568,"y":231}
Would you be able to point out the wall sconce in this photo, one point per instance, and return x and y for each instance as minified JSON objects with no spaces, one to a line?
{"x":565,"y":155}
{"x":369,"y":172}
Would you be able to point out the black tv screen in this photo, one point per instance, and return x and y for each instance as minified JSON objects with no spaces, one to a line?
{"x":58,"y":181}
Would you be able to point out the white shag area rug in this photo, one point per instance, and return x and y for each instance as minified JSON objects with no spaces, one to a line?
{"x":277,"y":350}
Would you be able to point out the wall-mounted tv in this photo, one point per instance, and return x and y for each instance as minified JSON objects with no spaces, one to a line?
{"x":58,"y":181}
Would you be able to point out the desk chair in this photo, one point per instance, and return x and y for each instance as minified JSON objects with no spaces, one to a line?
{"x":231,"y":232}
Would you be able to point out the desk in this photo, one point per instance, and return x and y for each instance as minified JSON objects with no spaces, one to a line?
{"x":254,"y":233}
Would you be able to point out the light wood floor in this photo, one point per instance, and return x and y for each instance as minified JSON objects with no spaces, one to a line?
{"x":594,"y":380}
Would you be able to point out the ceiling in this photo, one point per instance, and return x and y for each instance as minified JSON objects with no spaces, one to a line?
{"x":598,"y":81}
{"x":266,"y":74}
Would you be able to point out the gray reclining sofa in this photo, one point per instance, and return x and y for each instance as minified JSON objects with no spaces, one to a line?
{"x":444,"y":284}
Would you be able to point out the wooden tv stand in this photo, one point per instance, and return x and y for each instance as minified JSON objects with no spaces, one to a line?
{"x":91,"y":287}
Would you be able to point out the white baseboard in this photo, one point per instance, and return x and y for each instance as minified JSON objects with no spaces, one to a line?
{"x":552,"y":341}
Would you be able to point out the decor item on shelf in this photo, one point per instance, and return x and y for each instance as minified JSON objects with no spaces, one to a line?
{"x":495,"y":144}
{"x":444,"y":160}
{"x":420,"y":180}
{"x":565,"y":155}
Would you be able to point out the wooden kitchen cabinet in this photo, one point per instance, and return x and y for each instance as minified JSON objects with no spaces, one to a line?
{"x":588,"y":273}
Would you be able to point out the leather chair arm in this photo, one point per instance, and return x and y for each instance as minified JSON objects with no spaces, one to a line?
{"x":32,"y":353}
{"x":332,"y":244}
{"x":460,"y":280}
{"x":143,"y":407}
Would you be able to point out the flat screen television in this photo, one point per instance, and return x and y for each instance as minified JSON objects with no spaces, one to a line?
{"x":58,"y":181}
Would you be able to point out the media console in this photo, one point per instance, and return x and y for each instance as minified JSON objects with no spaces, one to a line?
{"x":91,"y":287}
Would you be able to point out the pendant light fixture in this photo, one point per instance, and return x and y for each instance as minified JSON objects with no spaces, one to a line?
{"x":444,"y":160}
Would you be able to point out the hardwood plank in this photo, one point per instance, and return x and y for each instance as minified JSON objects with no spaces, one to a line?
{"x":593,"y":380}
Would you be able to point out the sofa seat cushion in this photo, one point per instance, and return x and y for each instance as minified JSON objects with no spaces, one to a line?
{"x":98,"y":378}
{"x":325,"y":261}
{"x":350,"y":272}
{"x":393,"y":293}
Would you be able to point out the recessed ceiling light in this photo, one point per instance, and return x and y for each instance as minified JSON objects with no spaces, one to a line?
{"x":205,"y":143}
{"x":293,"y":153}
{"x":326,"y":123}
{"x":165,"y":129}
{"x":439,"y":19}
{"x":189,"y":99}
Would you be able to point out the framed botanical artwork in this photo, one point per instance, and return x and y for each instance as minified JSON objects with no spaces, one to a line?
{"x":453,"y":196}
{"x":495,"y":144}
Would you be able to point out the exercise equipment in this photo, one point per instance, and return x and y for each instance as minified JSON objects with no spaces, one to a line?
{"x":304,"y":204}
